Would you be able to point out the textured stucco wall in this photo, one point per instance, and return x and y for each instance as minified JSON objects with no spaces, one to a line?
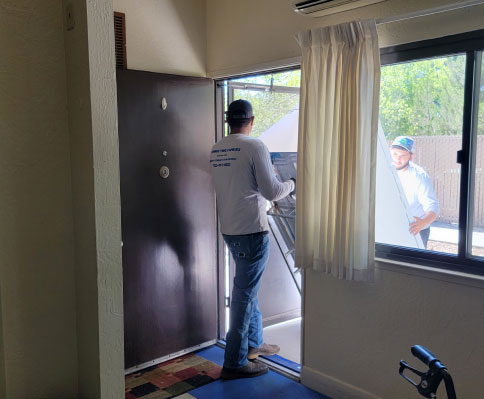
{"x":79,"y":105}
{"x":36,"y":230}
{"x":3,"y":385}
{"x":248,"y":35}
{"x":96,"y":202}
{"x":166,"y":36}
{"x":357,"y":333}
{"x":107,"y":197}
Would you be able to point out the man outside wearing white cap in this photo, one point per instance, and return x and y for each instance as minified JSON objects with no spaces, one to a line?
{"x":422,"y":201}
{"x":244,"y":180}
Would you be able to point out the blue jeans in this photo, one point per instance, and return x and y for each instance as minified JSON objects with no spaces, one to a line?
{"x":250,"y":253}
{"x":424,"y":235}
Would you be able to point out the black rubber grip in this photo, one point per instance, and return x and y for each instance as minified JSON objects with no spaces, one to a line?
{"x":422,"y":353}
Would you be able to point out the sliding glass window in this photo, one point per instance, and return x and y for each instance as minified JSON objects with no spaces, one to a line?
{"x":430,"y":162}
{"x":477,"y":210}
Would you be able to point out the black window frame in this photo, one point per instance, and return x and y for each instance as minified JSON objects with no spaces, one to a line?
{"x":471,"y":44}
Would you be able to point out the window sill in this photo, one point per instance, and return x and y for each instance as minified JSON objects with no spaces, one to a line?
{"x":433,"y":273}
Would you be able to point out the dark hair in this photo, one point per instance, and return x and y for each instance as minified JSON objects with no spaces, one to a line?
{"x":238,"y":123}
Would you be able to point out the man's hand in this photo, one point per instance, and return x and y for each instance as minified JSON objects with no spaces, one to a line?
{"x":416,"y":226}
{"x":422,"y":223}
{"x":293,"y":192}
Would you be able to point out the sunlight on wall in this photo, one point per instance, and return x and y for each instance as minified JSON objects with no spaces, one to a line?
{"x":165,"y":35}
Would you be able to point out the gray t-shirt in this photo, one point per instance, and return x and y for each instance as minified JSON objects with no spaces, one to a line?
{"x":244,"y":180}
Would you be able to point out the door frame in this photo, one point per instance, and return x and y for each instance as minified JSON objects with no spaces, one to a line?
{"x":223,"y":97}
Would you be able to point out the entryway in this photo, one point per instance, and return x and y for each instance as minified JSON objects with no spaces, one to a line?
{"x":177,"y":272}
{"x":275,"y":100}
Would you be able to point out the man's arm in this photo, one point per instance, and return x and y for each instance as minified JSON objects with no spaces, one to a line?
{"x":430,"y":203}
{"x":269,"y":186}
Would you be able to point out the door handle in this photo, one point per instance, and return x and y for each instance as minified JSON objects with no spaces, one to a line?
{"x":164,"y":172}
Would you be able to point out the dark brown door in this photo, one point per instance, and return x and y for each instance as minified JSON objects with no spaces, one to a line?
{"x":168,"y":223}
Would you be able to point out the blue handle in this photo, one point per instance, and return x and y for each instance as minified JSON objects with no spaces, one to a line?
{"x":422,"y":353}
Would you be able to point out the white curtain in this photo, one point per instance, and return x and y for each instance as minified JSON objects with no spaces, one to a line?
{"x":336,"y":167}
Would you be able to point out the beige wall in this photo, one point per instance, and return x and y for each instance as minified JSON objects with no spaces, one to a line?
{"x":3,"y":386}
{"x":37,"y":282}
{"x":107,"y":201}
{"x":242,"y":35}
{"x":165,"y":36}
{"x":355,"y":334}
{"x":79,"y":107}
{"x":96,"y":200}
{"x":60,"y":257}
{"x":253,"y":34}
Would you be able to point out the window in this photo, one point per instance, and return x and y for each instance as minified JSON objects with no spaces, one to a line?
{"x":430,"y":163}
{"x":272,"y":95}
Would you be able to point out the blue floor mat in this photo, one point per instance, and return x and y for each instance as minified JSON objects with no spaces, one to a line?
{"x":213,"y":353}
{"x":270,"y":385}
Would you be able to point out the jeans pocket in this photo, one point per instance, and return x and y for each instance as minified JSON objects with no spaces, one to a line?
{"x":238,"y":249}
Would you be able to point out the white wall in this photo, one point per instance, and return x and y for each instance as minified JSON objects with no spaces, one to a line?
{"x":252,"y":34}
{"x":37,"y":280}
{"x":96,"y":199}
{"x":166,"y":36}
{"x":355,"y":333}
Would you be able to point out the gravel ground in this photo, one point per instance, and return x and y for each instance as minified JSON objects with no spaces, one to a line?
{"x":448,"y":248}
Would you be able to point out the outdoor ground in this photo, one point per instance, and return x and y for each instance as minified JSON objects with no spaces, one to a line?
{"x":450,"y":248}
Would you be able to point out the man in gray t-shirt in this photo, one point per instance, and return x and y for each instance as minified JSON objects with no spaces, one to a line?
{"x":244,"y":180}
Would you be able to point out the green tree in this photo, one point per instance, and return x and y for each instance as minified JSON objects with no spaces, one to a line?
{"x":423,"y":98}
{"x":269,"y":106}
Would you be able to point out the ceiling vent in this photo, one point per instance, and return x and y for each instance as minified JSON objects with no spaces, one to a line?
{"x":320,"y":8}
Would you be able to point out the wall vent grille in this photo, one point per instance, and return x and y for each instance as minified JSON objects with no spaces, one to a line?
{"x":120,"y":40}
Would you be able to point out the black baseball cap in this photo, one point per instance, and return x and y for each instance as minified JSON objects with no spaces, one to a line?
{"x":239,"y":109}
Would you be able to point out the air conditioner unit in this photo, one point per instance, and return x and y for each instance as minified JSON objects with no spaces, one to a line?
{"x":319,"y":8}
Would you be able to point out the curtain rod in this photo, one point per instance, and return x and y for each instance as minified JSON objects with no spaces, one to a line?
{"x":429,"y":11}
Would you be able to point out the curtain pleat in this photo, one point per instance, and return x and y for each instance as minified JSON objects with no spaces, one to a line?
{"x":340,"y":78}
